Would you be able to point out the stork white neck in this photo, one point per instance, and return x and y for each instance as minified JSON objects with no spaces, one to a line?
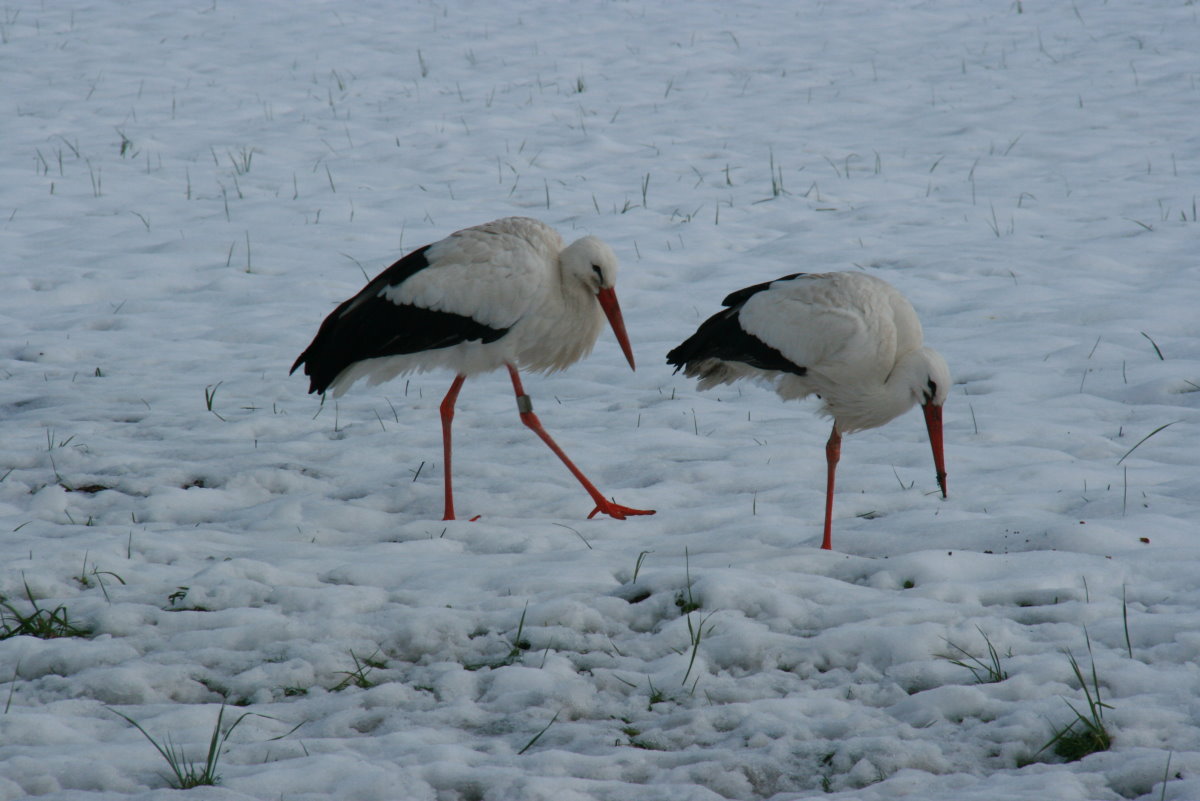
{"x":567,"y":319}
{"x":920,"y":376}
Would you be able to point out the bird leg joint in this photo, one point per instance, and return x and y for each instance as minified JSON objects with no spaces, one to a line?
{"x":524,"y":404}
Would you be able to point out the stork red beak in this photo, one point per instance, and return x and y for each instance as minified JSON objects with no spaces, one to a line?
{"x":933,"y":422}
{"x":612,"y":310}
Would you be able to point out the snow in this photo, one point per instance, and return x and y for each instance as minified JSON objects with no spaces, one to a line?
{"x":187,"y":190}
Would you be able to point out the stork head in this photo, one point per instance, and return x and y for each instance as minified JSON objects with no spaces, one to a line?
{"x":932,"y":396}
{"x":593,"y":263}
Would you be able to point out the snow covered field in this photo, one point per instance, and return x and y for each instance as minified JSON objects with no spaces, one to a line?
{"x":187,"y":189}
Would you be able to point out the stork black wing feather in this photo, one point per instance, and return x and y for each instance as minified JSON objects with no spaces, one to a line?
{"x":369,"y":326}
{"x":722,"y":337}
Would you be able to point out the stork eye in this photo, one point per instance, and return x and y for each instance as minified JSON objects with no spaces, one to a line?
{"x":930,"y":390}
{"x":598,"y":272}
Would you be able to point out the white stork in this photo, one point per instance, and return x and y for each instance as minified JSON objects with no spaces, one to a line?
{"x":849,"y":338}
{"x":502,"y":294}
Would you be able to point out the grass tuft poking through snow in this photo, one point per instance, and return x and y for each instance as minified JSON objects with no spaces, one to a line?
{"x":38,"y":621}
{"x":1086,"y":734}
{"x":188,"y":774}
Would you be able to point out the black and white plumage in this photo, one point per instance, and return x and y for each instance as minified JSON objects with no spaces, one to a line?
{"x":851,"y":339}
{"x":507,"y":293}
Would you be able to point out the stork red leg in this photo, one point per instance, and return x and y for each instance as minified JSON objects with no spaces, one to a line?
{"x":525,"y":407}
{"x":447,"y":412}
{"x":833,"y":452}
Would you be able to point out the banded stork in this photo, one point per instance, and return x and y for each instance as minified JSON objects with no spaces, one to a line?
{"x":503,"y":294}
{"x":849,"y":338}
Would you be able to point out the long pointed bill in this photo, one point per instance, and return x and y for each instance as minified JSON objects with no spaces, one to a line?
{"x":608,"y":302}
{"x":933,"y":422}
